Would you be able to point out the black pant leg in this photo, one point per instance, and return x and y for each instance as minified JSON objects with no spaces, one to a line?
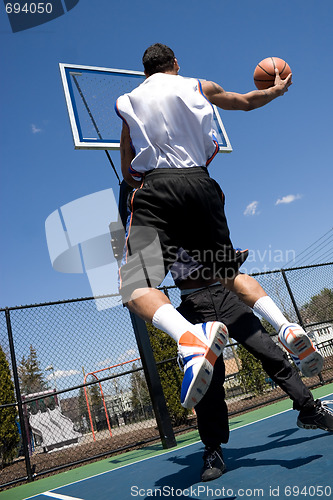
{"x":212,"y":411}
{"x":246,"y":329}
{"x":217,"y":304}
{"x":274,"y":361}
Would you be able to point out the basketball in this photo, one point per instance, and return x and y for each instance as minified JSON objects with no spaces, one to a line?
{"x":264,"y":74}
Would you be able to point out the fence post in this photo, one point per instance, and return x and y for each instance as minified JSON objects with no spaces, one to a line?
{"x":298,"y":314}
{"x":18,"y":397}
{"x":153,"y":381}
{"x":300,"y":320}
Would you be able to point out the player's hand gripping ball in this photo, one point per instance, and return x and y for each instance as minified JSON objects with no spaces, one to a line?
{"x":264,"y":74}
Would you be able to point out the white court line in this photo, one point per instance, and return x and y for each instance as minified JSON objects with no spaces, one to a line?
{"x":165,"y":453}
{"x":60,"y":497}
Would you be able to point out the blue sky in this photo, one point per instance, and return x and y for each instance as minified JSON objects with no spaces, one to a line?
{"x":277,"y":180}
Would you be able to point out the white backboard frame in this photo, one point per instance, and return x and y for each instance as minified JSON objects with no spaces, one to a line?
{"x":67,"y":72}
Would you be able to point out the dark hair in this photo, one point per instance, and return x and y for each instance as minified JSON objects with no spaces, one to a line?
{"x":158,"y":58}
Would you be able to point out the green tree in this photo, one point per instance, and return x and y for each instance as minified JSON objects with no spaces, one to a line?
{"x":94,"y":401}
{"x":252,"y":376}
{"x":320,"y":307}
{"x":140,"y":393}
{"x":9,"y":435}
{"x":30,"y":375}
{"x":82,"y":402}
{"x":164,"y":347}
{"x":95,"y":396}
{"x":268,"y":327}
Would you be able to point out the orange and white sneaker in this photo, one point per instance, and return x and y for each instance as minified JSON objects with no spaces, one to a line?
{"x":294,"y":339}
{"x":198,"y":351}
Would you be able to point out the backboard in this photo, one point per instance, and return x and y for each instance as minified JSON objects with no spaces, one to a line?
{"x":91,"y":93}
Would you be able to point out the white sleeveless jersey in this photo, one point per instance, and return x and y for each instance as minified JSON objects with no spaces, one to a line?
{"x":170,"y":123}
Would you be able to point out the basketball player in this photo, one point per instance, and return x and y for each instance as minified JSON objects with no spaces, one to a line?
{"x":167,"y":142}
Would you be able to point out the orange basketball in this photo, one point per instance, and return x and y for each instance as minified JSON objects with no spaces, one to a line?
{"x":264,"y":74}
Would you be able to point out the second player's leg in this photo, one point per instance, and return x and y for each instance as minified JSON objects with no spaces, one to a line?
{"x":274,"y":361}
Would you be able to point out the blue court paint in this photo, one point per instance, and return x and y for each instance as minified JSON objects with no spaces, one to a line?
{"x":271,"y":458}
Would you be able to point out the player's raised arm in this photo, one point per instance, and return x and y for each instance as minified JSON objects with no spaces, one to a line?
{"x":245,"y":102}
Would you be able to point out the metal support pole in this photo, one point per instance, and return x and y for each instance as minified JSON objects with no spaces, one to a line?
{"x":153,"y":381}
{"x":298,"y":314}
{"x":18,"y":397}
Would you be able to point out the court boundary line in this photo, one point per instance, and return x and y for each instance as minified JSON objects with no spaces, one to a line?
{"x":162,"y":453}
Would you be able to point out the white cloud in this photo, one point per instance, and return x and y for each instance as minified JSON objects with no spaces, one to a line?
{"x":131,"y":353}
{"x":128,"y":355}
{"x":125,"y":356}
{"x":62,"y":373}
{"x":288,"y":199}
{"x":34,"y":129}
{"x":251,"y":209}
{"x":105,"y":362}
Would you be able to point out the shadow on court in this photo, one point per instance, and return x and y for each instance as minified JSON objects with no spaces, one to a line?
{"x":235,"y":457}
{"x":239,"y":458}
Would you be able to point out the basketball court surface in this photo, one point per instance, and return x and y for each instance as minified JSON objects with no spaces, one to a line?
{"x":268,"y":457}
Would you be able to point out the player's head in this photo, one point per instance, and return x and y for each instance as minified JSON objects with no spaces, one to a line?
{"x":158,"y":58}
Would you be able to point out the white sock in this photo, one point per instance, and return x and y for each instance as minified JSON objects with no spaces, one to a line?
{"x":168,"y":319}
{"x":270,"y":311}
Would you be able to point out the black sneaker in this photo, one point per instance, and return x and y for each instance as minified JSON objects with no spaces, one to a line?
{"x":320,"y":417}
{"x":214,"y":465}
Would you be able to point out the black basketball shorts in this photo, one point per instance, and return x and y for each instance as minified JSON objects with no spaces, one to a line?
{"x":176,"y":208}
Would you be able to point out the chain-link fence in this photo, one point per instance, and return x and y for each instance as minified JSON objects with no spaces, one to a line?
{"x":77,"y":383}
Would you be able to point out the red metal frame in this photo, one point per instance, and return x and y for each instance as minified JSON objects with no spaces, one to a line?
{"x":102,"y":394}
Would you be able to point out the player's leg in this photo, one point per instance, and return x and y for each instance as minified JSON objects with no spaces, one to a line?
{"x":212,"y":411}
{"x":145,"y":302}
{"x":245,"y":287}
{"x":217,"y":303}
{"x":312,"y":414}
{"x":213,"y":425}
{"x":199,"y":345}
{"x":148,"y":253}
{"x":292,"y":336}
{"x":251,"y":334}
{"x":247,"y":330}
